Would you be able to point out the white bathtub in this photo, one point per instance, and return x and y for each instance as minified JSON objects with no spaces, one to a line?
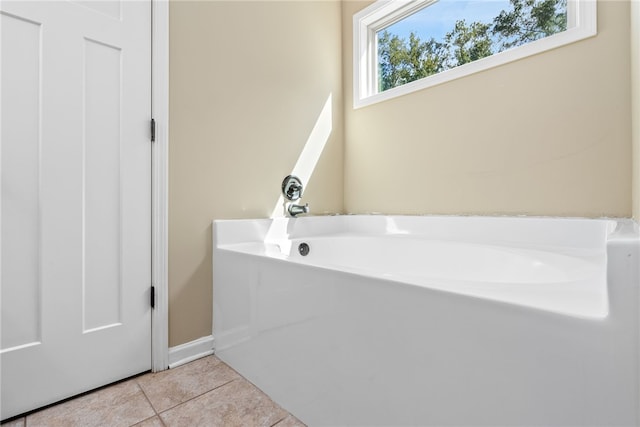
{"x":433,"y":320}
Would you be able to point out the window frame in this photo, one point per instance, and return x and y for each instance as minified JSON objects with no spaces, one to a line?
{"x":581,"y":20}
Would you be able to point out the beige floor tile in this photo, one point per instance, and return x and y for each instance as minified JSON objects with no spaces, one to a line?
{"x":215,"y":395}
{"x":151,"y":422}
{"x":237,"y":403}
{"x":15,"y":423}
{"x":169,"y":388}
{"x":290,"y":421}
{"x":122,"y":404}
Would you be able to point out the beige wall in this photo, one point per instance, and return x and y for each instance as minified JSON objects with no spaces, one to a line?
{"x":546,"y":135}
{"x":248,"y":81}
{"x":635,"y":104}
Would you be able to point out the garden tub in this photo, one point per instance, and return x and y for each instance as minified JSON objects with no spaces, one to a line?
{"x":397,"y":320}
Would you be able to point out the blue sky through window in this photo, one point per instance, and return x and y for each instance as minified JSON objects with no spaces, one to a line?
{"x":439,"y":18}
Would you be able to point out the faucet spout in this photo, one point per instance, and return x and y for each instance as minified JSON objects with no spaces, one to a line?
{"x":295,"y":210}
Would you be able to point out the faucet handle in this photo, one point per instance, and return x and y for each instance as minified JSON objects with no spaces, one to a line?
{"x":292,"y":188}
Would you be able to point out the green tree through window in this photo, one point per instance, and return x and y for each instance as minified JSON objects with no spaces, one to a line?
{"x":401,"y":61}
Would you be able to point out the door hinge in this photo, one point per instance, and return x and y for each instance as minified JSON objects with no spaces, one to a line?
{"x":153,"y":297}
{"x":153,"y":130}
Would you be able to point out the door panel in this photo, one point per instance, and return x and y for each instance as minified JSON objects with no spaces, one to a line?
{"x":102,"y":206}
{"x":21,"y":182}
{"x":76,"y":189}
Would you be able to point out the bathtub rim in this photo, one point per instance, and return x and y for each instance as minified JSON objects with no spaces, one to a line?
{"x":229,"y":231}
{"x":233,"y":234}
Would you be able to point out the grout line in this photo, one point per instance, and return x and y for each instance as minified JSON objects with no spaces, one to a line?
{"x":280,"y":420}
{"x":147,"y":397}
{"x":146,"y":419}
{"x":150,"y":403}
{"x":60,"y":402}
{"x":197,"y":396}
{"x":260,"y":390}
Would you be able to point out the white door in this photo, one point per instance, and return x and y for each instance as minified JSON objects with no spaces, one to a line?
{"x":76,"y":197}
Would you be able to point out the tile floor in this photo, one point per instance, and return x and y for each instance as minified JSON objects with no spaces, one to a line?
{"x":205,"y":392}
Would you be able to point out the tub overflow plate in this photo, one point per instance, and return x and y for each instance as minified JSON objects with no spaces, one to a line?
{"x":303,"y":248}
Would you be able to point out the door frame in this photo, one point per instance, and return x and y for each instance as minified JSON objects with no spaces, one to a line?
{"x":159,"y":183}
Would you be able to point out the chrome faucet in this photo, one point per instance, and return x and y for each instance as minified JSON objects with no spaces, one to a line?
{"x":295,"y":210}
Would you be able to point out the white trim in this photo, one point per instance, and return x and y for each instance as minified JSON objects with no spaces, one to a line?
{"x":160,"y":208}
{"x":188,"y":352}
{"x":385,"y":12}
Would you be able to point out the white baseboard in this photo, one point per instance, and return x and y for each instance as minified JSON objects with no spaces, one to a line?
{"x":188,"y":352}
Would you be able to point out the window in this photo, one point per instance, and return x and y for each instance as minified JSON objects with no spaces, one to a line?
{"x":402,"y":46}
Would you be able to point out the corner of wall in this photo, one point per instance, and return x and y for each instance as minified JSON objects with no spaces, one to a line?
{"x":635,"y":107}
{"x":243,"y":116}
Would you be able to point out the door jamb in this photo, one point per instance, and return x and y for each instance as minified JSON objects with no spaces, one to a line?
{"x":159,"y":183}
